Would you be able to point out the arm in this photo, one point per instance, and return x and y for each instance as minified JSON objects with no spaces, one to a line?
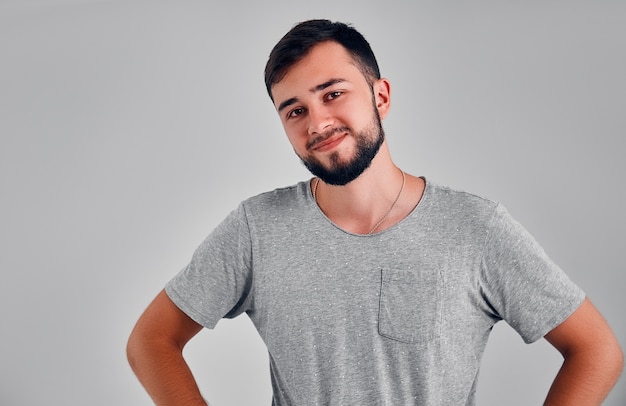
{"x":593,"y":359}
{"x":154,"y":352}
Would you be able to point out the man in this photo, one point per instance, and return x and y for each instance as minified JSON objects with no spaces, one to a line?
{"x":369,"y":286}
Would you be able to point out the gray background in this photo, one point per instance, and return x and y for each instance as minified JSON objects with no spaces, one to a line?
{"x":130,"y":128}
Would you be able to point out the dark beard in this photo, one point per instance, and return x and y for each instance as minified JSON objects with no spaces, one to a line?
{"x":342,"y":173}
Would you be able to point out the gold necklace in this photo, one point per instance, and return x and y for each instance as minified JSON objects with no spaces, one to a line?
{"x":317,"y":182}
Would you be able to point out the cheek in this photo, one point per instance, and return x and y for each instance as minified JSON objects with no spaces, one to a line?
{"x":295,"y":138}
{"x":355,"y":112}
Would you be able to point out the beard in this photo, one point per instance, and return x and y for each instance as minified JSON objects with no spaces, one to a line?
{"x":340,"y":173}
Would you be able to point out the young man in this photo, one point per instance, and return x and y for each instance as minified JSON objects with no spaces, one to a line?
{"x":368,"y":285}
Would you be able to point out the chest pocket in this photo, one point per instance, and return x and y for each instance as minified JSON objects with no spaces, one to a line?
{"x":411,"y":305}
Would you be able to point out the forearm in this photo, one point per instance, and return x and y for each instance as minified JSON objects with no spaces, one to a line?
{"x":584,"y":379}
{"x":162,"y":370}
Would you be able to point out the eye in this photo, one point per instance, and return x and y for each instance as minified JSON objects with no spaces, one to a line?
{"x":295,"y":112}
{"x":333,"y":95}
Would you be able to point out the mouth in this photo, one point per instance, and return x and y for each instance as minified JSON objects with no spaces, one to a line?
{"x":329,"y":143}
{"x":325,"y":143}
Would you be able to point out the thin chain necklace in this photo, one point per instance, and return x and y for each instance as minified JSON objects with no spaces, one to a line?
{"x":317,"y":182}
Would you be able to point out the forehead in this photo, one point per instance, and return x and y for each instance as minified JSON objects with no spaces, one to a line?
{"x":325,"y":61}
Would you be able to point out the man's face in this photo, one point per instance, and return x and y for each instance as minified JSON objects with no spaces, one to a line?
{"x":330,"y":113}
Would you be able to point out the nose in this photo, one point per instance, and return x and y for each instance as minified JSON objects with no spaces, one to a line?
{"x":320,"y":120}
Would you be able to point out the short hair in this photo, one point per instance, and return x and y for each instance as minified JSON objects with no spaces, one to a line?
{"x":297,"y":43}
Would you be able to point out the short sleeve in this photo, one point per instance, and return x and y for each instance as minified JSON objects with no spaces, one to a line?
{"x":520,"y":282}
{"x":217,"y":283}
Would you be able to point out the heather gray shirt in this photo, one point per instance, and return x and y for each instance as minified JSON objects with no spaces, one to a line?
{"x":400,"y":317}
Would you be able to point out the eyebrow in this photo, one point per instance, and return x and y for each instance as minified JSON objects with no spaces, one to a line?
{"x":314,"y":89}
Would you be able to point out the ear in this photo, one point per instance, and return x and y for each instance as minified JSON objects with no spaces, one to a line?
{"x":382,"y":96}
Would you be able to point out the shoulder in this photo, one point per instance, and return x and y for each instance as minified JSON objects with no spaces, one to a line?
{"x":280,"y":195}
{"x":453,"y":201}
{"x":280,"y":200}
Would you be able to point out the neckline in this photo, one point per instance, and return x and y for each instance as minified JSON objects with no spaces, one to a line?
{"x":313,"y":202}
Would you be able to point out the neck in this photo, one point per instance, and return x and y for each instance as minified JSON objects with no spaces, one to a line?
{"x":360,"y":205}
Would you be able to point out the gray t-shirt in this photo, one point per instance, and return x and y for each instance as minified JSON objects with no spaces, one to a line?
{"x":400,"y":317}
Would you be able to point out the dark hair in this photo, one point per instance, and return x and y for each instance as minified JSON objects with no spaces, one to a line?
{"x":297,"y":43}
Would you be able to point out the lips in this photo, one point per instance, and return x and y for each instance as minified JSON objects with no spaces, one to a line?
{"x":329,"y":143}
{"x":329,"y":140}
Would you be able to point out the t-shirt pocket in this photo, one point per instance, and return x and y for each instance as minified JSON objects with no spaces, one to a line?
{"x":411,"y":307}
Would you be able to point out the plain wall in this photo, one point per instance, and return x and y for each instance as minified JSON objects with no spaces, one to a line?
{"x":130,"y":128}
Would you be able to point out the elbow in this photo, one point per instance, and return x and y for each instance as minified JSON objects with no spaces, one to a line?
{"x":137,"y":348}
{"x":610,"y":359}
{"x":619,"y":360}
{"x":132,"y":350}
{"x":614,"y":356}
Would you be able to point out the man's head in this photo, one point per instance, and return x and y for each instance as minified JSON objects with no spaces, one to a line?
{"x":330,"y":98}
{"x":297,"y":43}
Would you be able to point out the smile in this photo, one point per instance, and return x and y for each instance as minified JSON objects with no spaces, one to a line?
{"x":328,"y":143}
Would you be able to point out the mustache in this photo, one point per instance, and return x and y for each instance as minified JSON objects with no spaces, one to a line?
{"x":326,"y":135}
